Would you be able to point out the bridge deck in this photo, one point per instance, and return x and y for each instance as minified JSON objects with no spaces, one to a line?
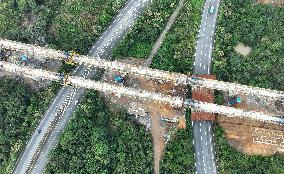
{"x":204,"y":95}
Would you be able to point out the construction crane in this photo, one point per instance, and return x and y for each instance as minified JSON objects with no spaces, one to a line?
{"x":70,"y":57}
{"x":63,"y":78}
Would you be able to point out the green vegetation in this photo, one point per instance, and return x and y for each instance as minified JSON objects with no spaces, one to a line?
{"x":176,"y":54}
{"x":257,"y":26}
{"x":79,"y":23}
{"x":98,"y":141}
{"x":20,"y":110}
{"x":63,"y":24}
{"x":231,"y":161}
{"x":27,"y":20}
{"x":178,"y":156}
{"x":92,"y":129}
{"x":140,"y":40}
{"x":177,"y":51}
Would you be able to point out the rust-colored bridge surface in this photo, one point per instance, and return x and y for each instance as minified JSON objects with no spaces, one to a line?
{"x":204,"y":95}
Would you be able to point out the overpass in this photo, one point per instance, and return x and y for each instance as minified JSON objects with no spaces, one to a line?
{"x":144,"y":95}
{"x":213,"y":84}
{"x":177,"y":78}
{"x":203,"y":123}
{"x":173,"y":101}
{"x":35,"y":155}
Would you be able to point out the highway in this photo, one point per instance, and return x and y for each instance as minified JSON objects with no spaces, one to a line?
{"x":204,"y":147}
{"x":203,"y":137}
{"x":35,"y":156}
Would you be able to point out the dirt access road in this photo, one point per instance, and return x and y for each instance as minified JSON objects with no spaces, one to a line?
{"x":277,"y":3}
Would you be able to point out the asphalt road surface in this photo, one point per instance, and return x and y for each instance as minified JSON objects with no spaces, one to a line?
{"x":35,"y":156}
{"x":203,"y":130}
{"x":203,"y":139}
{"x":203,"y":54}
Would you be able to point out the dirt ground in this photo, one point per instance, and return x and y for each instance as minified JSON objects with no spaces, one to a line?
{"x":33,"y":62}
{"x":161,"y":119}
{"x":255,"y":137}
{"x":278,"y":3}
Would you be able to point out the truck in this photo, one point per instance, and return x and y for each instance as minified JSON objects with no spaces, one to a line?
{"x":211,"y":9}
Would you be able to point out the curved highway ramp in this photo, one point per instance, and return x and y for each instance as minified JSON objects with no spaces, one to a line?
{"x":35,"y":155}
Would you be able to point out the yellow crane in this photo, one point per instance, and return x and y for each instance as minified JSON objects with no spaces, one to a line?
{"x":70,"y":57}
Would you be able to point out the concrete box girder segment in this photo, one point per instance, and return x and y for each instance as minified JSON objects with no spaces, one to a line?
{"x":204,"y":95}
{"x":173,"y":101}
{"x":176,"y":78}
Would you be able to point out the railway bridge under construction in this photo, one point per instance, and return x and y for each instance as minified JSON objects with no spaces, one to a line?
{"x":201,"y":101}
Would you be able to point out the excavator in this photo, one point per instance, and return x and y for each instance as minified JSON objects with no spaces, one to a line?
{"x":234,"y":100}
{"x":118,"y":78}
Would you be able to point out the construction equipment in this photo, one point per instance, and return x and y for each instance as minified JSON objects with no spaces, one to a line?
{"x":66,"y":81}
{"x":118,"y":78}
{"x":234,"y":101}
{"x":23,"y":58}
{"x":4,"y":54}
{"x":70,"y":57}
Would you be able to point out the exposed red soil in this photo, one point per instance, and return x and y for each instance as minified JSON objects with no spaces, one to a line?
{"x":254,"y":137}
{"x":158,"y":117}
{"x":202,"y":116}
{"x":278,"y":3}
{"x":204,"y":95}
